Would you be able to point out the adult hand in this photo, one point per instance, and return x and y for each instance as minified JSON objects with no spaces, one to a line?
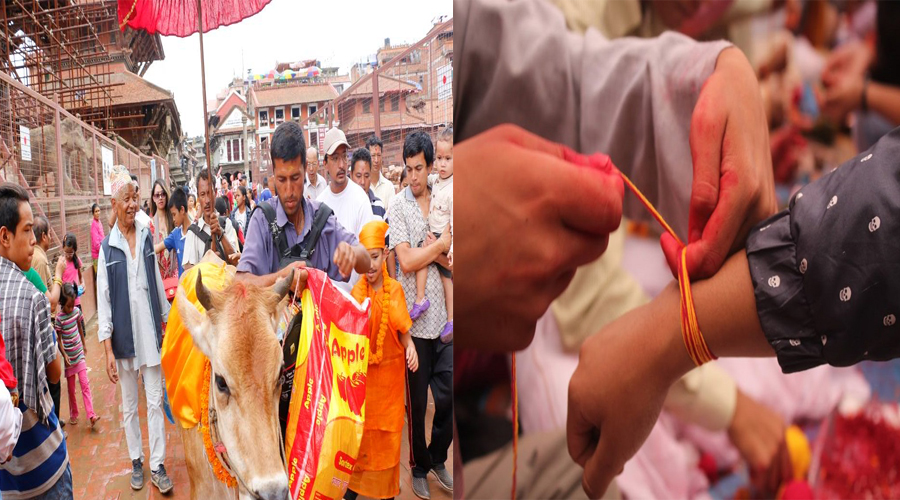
{"x":758,"y":434}
{"x":60,"y":267}
{"x":732,"y":189}
{"x":111,"y":371}
{"x":852,"y":58}
{"x":300,"y":275}
{"x":214,"y":228}
{"x":843,"y":97}
{"x":412,"y":357}
{"x":528,"y":219}
{"x":344,"y":258}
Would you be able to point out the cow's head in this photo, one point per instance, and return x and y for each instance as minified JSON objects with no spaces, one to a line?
{"x":237,"y":334}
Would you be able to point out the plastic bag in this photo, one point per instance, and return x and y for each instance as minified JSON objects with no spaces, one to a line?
{"x":327,"y":410}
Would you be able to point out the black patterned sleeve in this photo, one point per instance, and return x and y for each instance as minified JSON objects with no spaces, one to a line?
{"x":826,"y":271}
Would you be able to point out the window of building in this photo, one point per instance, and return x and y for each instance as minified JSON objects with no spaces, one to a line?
{"x":234,"y":150}
{"x":279,"y":116}
{"x":312,"y":110}
{"x":314,"y":139}
{"x":367,"y":106}
{"x":395,"y":103}
{"x":295,"y":113}
{"x":264,"y":118}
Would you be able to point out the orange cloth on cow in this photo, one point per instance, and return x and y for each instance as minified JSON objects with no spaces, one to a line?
{"x":377,"y":470}
{"x":182,"y":362}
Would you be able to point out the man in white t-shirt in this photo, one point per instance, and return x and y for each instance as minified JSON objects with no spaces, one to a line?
{"x":350,"y":203}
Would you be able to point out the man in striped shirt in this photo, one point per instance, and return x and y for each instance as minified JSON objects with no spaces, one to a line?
{"x":40,"y":462}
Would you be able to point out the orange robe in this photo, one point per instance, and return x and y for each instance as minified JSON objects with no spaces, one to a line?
{"x":377,"y":470}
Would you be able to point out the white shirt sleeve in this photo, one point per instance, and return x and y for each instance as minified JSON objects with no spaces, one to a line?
{"x":104,"y":309}
{"x":231,"y":234}
{"x":191,"y":250}
{"x":10,"y":424}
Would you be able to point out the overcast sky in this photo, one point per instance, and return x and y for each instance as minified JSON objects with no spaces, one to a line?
{"x":337,"y":32}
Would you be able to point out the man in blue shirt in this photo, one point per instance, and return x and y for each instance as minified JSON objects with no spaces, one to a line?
{"x":175,"y":239}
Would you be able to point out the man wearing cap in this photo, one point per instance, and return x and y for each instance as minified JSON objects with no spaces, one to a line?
{"x":131,"y":309}
{"x":336,"y":251}
{"x":315,"y":183}
{"x":350,"y":203}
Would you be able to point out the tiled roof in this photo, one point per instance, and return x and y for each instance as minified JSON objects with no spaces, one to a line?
{"x":280,"y":95}
{"x":133,"y":89}
{"x":385,"y":84}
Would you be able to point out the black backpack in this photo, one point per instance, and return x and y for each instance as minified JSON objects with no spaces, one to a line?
{"x":207,"y":239}
{"x":304,"y":251}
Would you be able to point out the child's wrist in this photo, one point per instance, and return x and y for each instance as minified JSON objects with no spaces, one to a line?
{"x":676,"y":362}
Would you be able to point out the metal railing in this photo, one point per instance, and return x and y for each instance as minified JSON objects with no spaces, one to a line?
{"x":59,"y":160}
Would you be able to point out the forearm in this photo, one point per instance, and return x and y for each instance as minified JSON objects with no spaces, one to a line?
{"x":263,"y":281}
{"x":229,"y":251}
{"x":885,"y":100}
{"x":54,"y":370}
{"x":413,"y":259}
{"x":392,"y":265}
{"x":405,"y":340}
{"x":159,"y":247}
{"x":363,"y":261}
{"x":443,"y":260}
{"x":726,"y":313}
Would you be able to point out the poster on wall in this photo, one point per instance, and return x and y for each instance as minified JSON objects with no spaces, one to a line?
{"x":25,"y":134}
{"x":106,"y":155}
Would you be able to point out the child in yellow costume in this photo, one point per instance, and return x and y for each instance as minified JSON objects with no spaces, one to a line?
{"x":377,"y":470}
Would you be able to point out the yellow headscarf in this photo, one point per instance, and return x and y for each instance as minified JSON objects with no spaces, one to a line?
{"x":372,"y":234}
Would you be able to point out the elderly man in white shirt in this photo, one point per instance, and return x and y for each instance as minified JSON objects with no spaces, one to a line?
{"x":315,"y":184}
{"x":132,"y":308}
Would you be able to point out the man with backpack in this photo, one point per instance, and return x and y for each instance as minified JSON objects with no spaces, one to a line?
{"x":289,"y":231}
{"x":209,"y":231}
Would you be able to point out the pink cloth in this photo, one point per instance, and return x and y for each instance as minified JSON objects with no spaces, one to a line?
{"x":70,"y":275}
{"x":96,"y":238}
{"x":666,"y":464}
{"x":79,"y":369}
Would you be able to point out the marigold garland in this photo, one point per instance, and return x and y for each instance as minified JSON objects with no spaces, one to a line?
{"x":377,"y":351}
{"x":218,"y":469}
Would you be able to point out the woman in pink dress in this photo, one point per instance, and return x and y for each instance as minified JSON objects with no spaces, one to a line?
{"x":96,"y":239}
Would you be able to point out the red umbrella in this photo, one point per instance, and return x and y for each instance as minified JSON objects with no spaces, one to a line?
{"x":182,"y":18}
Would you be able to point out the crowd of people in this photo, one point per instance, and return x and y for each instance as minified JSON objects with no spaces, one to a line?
{"x":377,"y":232}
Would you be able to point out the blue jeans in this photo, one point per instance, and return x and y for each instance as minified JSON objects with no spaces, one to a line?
{"x":62,"y":490}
